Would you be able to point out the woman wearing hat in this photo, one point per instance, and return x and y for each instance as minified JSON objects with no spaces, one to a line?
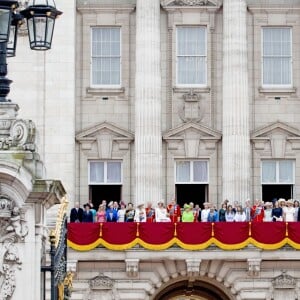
{"x":288,"y":211}
{"x":140,"y":213}
{"x":188,"y":214}
{"x":268,"y":212}
{"x":111,"y":213}
{"x":161,"y":214}
{"x":121,"y":212}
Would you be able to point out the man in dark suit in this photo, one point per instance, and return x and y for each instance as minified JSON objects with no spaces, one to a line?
{"x":76,"y":214}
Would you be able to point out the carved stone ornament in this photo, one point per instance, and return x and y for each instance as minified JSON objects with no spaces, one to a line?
{"x":190,"y":2}
{"x":254,"y":266}
{"x":284,"y":281}
{"x":191,"y":109}
{"x":9,"y":262}
{"x":12,"y":224}
{"x":21,"y":135}
{"x":193,"y":266}
{"x":132,"y":267}
{"x":101,"y":282}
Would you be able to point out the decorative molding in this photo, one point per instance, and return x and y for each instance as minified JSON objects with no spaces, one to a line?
{"x":190,"y":3}
{"x":193,"y":266}
{"x":191,"y":109}
{"x":9,"y":262}
{"x":284,"y":281}
{"x":15,"y":134}
{"x":101,"y":282}
{"x":104,"y":136}
{"x":190,"y":136}
{"x":275,"y":137}
{"x":13,"y":226}
{"x":132,"y":267}
{"x":254,"y":266}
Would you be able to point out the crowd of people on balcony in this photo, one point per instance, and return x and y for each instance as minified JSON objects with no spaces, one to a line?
{"x":278,"y":210}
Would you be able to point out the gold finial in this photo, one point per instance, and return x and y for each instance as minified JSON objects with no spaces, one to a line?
{"x":60,"y":218}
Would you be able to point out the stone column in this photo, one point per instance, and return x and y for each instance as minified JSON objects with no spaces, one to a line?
{"x":148,"y":139}
{"x":236,"y":139}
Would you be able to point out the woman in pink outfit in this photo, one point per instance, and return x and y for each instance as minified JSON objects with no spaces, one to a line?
{"x":100,"y":215}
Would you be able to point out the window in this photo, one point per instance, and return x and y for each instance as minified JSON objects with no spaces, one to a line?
{"x":192,"y":171}
{"x":105,"y":172}
{"x":191,"y":55}
{"x":106,"y":56}
{"x":278,"y":172}
{"x":277,"y":56}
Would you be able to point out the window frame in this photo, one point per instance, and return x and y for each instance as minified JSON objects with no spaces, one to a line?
{"x":182,"y":85}
{"x":277,"y":161}
{"x":290,"y":85}
{"x":104,"y":172}
{"x":104,"y":86}
{"x":191,"y":171}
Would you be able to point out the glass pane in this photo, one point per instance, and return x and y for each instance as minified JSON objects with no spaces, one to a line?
{"x":277,"y":70}
{"x":191,"y":70}
{"x":114,"y":172}
{"x":4,"y":24}
{"x":183,"y":171}
{"x":268,"y":171}
{"x":50,"y":28}
{"x":40,"y":30}
{"x":191,"y":40}
{"x":200,"y":171}
{"x":106,"y":62}
{"x":96,"y":172}
{"x":286,"y":171}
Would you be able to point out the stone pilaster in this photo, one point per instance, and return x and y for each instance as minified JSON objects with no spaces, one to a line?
{"x":148,"y":140}
{"x":236,"y":141}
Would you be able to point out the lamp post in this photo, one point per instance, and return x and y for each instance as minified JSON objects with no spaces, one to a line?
{"x":40,"y":16}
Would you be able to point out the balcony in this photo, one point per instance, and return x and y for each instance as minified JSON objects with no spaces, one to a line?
{"x":188,"y":236}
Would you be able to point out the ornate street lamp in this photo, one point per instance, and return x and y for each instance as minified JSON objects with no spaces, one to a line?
{"x":40,"y":15}
{"x":6,"y":9}
{"x":16,"y":22}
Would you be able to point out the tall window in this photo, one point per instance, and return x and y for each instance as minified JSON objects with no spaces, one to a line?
{"x":278,"y":172}
{"x":195,"y":171}
{"x":277,"y":56}
{"x":106,"y":56}
{"x":105,"y":172}
{"x":191,"y":55}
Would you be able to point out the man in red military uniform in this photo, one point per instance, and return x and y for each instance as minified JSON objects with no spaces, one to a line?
{"x":174,"y":211}
{"x":257,"y":211}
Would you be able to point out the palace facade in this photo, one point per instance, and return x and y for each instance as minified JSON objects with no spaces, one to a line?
{"x":143,"y":100}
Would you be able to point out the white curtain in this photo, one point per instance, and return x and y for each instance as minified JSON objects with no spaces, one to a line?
{"x":277,"y":56}
{"x":286,"y":171}
{"x":113,"y":172}
{"x":183,"y":171}
{"x":96,"y":172}
{"x":200,"y":171}
{"x":191,"y":55}
{"x":268,"y":171}
{"x":106,"y":55}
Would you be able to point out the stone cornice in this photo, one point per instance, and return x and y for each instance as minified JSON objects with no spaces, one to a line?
{"x":86,"y":7}
{"x":46,"y":192}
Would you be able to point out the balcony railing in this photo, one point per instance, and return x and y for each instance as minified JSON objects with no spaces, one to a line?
{"x":189,"y":236}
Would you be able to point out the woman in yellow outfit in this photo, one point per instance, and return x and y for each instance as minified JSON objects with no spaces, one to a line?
{"x":187,"y":215}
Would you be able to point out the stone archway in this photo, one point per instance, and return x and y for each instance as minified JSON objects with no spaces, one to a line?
{"x":196,"y":289}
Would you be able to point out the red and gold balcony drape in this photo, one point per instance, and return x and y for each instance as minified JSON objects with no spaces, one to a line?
{"x":189,"y":236}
